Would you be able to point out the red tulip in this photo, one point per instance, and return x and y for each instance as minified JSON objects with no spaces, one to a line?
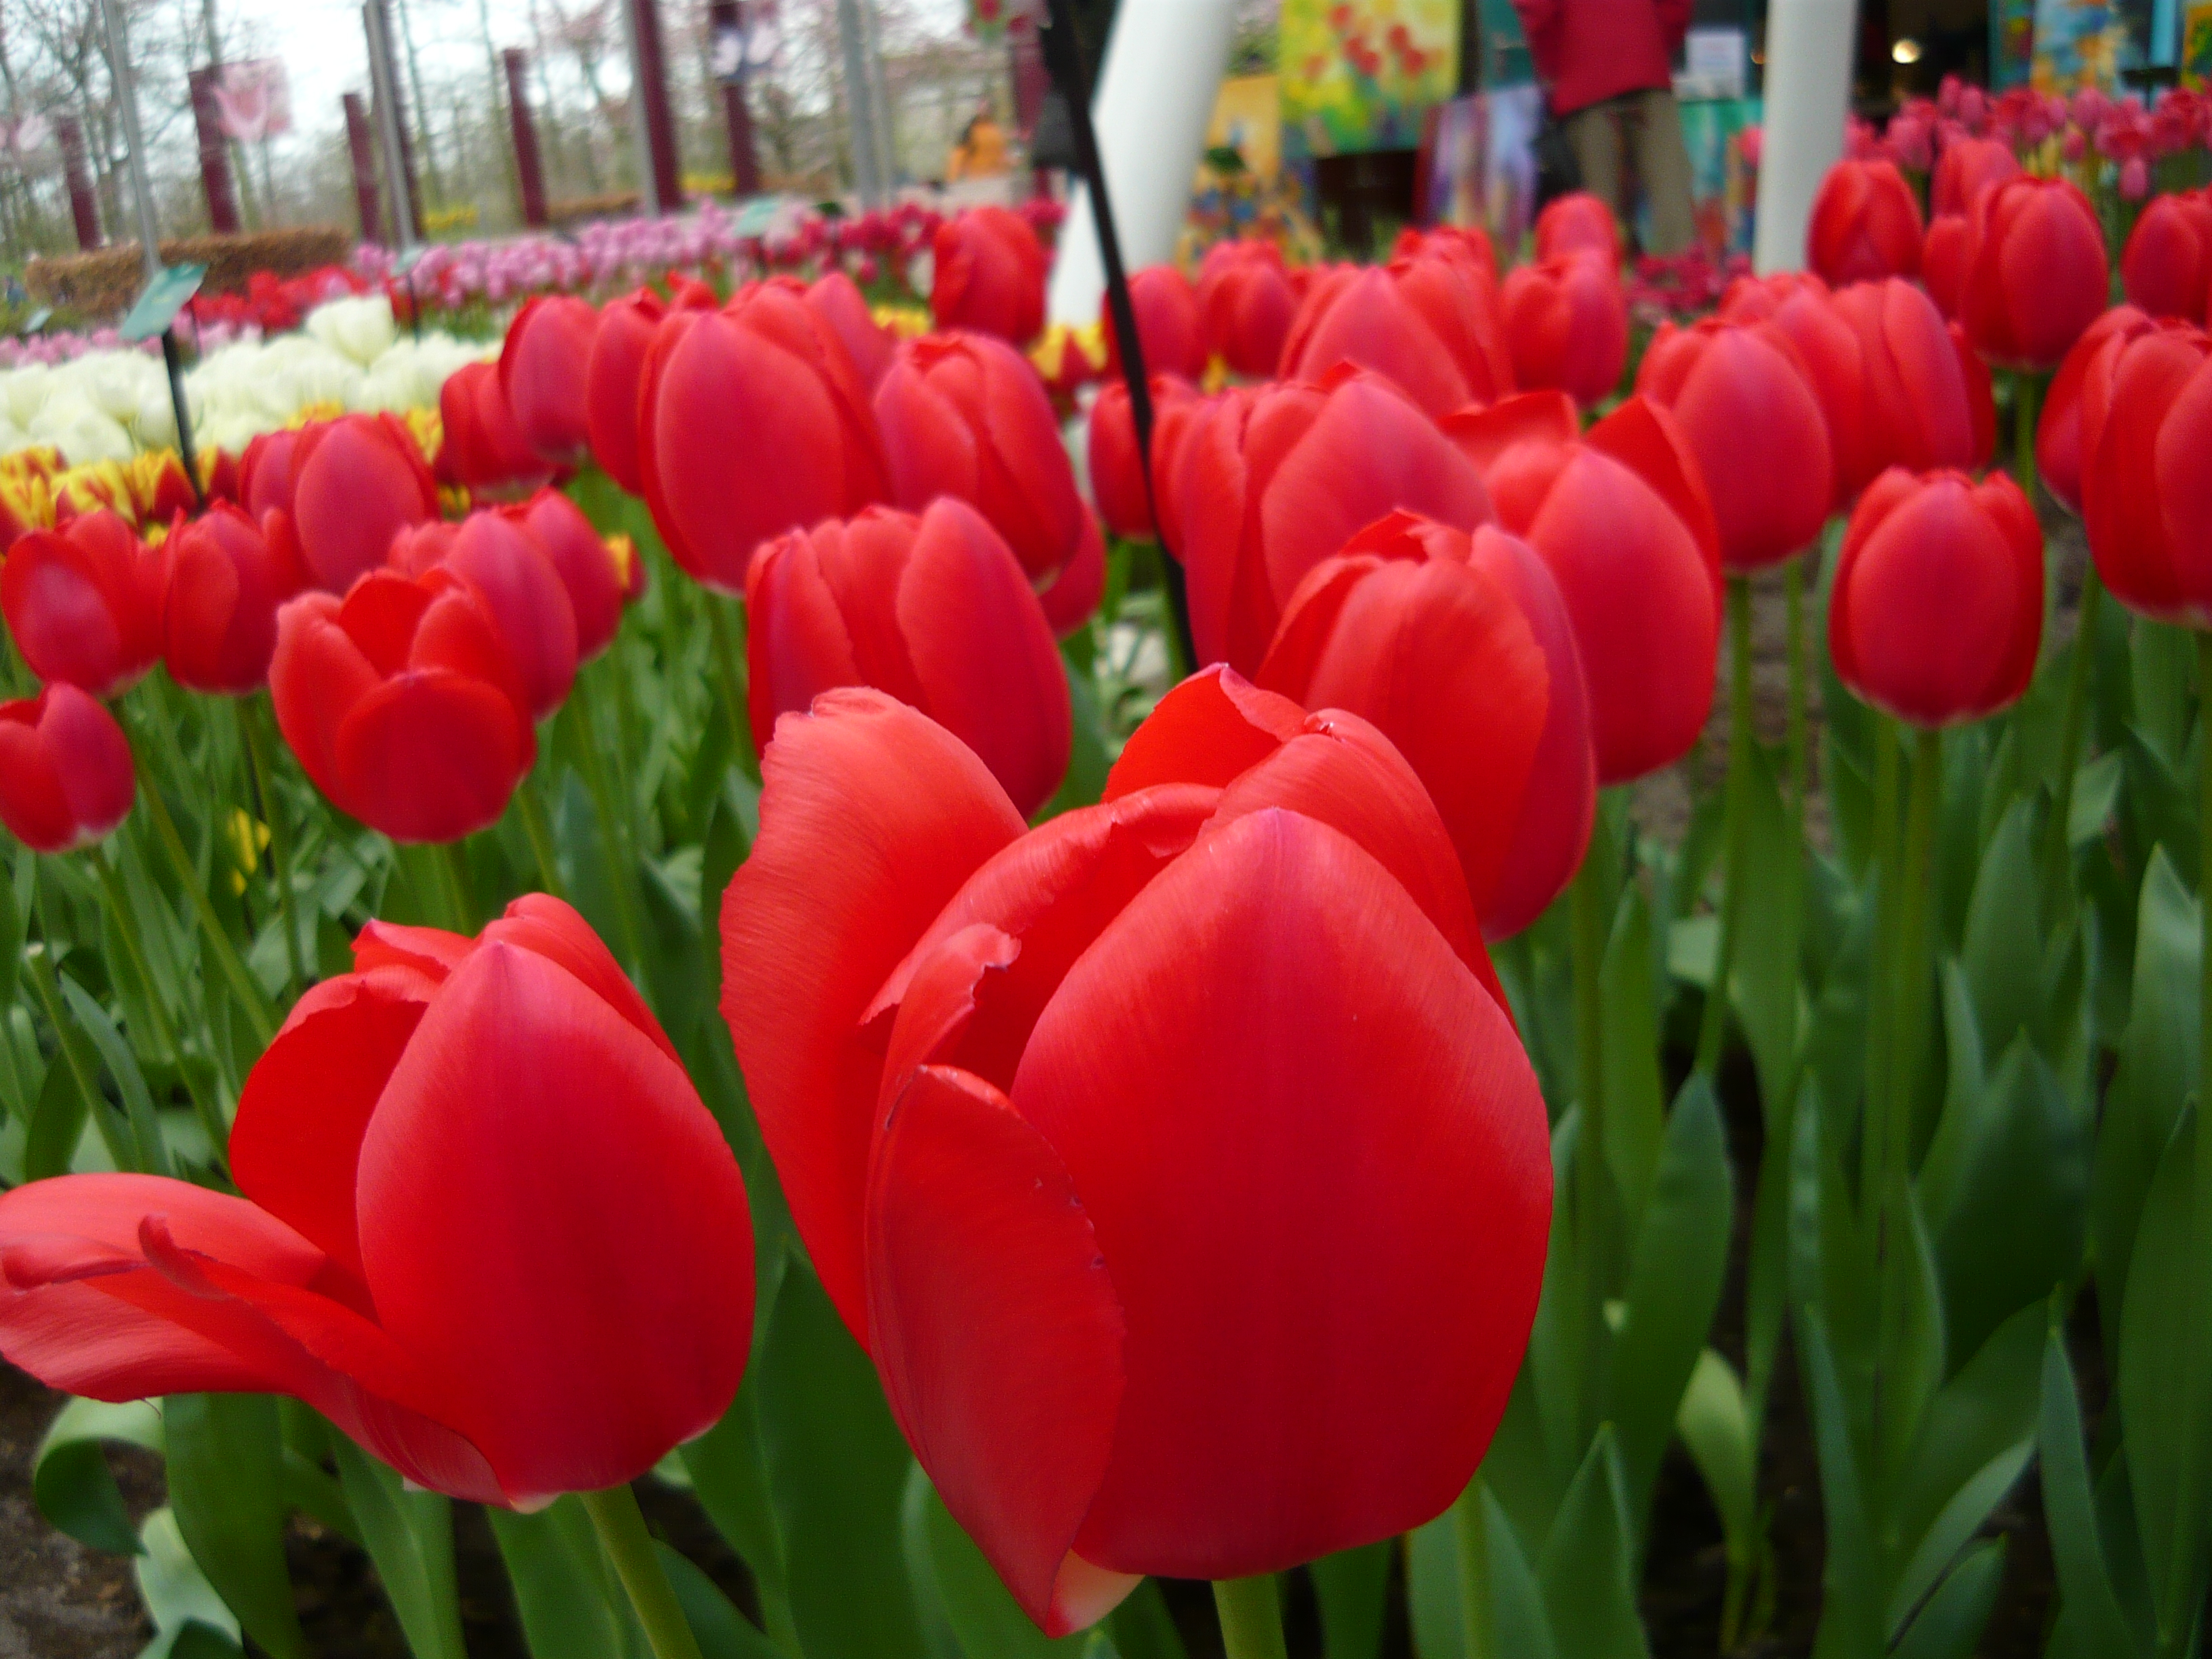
{"x":596,"y":573}
{"x":989,"y":274}
{"x":838,"y":301}
{"x":265,"y":470}
{"x":1182,"y":1177}
{"x":2037,"y":275}
{"x":84,"y":602}
{"x":1966,"y":168}
{"x":1271,"y":480}
{"x":1926,"y":395}
{"x":1566,"y":324}
{"x":484,"y":449}
{"x":611,"y":381}
{"x":1944,"y":258}
{"x":1578,"y":222}
{"x":1245,"y":303}
{"x":1458,"y":647}
{"x":2167,"y":263}
{"x":1865,"y":224}
{"x":1117,"y":480}
{"x":935,"y":611}
{"x":1937,"y":608}
{"x":403,"y":703}
{"x":225,"y":578}
{"x":544,"y":374}
{"x":1424,"y":322}
{"x":1468,"y":244}
{"x":2146,"y":472}
{"x":489,"y":1230}
{"x":1746,"y":404}
{"x":752,"y":421}
{"x":965,"y":415}
{"x":1168,"y":324}
{"x":495,"y":554}
{"x":1798,"y":306}
{"x":356,"y":481}
{"x":2080,"y":394}
{"x":66,"y":782}
{"x":1621,"y":517}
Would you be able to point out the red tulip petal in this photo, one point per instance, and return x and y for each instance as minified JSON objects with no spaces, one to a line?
{"x":1647,"y":441}
{"x":432,"y":756}
{"x":540,"y":922}
{"x":1484,"y":435}
{"x":1206,"y":730}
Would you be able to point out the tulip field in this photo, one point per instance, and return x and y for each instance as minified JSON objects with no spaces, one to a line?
{"x":733,"y":973}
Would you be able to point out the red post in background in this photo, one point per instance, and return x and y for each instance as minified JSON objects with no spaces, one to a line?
{"x":215,"y":154}
{"x":527,"y":167}
{"x":1031,"y":82}
{"x":659,"y":125}
{"x":84,"y":208}
{"x":726,"y":31}
{"x":360,"y":146}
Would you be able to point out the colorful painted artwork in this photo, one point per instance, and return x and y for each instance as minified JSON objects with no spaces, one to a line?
{"x":1248,"y":118}
{"x":1361,"y":74}
{"x":2197,"y":46}
{"x":1483,"y":168}
{"x":2012,"y":39}
{"x":1721,"y":181}
{"x":2082,"y":43}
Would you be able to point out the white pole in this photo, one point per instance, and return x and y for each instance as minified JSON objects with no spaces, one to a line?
{"x":1155,"y":93}
{"x":860,"y":104}
{"x":383,"y":86}
{"x":1809,"y":87}
{"x":126,"y":94}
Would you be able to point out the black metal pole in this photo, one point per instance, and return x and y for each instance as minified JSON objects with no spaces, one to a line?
{"x":173,"y":361}
{"x":1063,"y":57}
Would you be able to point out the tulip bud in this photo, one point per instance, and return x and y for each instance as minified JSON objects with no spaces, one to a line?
{"x":84,"y":602}
{"x":2077,"y":398}
{"x":1469,"y":246}
{"x":66,"y":776}
{"x":1797,"y":306}
{"x":611,"y":381}
{"x":1621,"y":517}
{"x":355,"y":483}
{"x":935,"y":611}
{"x":1245,"y":304}
{"x":1937,"y":608}
{"x":489,"y":1230}
{"x":1943,"y":259}
{"x":1117,"y":479}
{"x":265,"y":470}
{"x":1966,"y":168}
{"x":595,"y":574}
{"x":752,"y":421}
{"x":1425,"y":323}
{"x":403,"y":704}
{"x":543,"y":370}
{"x":1927,"y":402}
{"x":2146,"y":447}
{"x":988,"y":275}
{"x":1566,"y":325}
{"x":2038,"y":274}
{"x":226,"y":576}
{"x":1271,"y":480}
{"x":1865,"y":224}
{"x":1578,"y":222}
{"x":495,"y":554}
{"x":485,"y":450}
{"x":2166,"y":265}
{"x":1168,"y":324}
{"x":1459,"y":648}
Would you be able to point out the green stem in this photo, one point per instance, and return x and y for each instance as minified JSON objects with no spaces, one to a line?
{"x":1713,"y":1023}
{"x":2026,"y":394}
{"x":258,"y":1014}
{"x":1880,"y":1009}
{"x":165,"y":1033}
{"x":2186,"y":1557}
{"x":453,"y":877}
{"x":1251,"y":1616}
{"x":621,"y":1525}
{"x":1471,"y":1531}
{"x":541,"y":838}
{"x":729,"y":665}
{"x":120,"y":1151}
{"x":2058,"y":837}
{"x":1800,"y":739}
{"x":612,"y":809}
{"x":263,"y":767}
{"x":1910,"y":971}
{"x":1586,"y":920}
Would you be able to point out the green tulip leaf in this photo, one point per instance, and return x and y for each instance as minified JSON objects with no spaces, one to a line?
{"x":722,"y":1632}
{"x":1586,"y":1569}
{"x":1353,"y":1588}
{"x":567,"y":1595}
{"x":191,"y":1621}
{"x":70,"y":1482}
{"x":409,"y":1536}
{"x":2070,"y":1509}
{"x":2004,"y":951}
{"x":1960,"y":1608}
{"x":226,"y":1488}
{"x":1714,"y":1423}
{"x":1635,"y":1108}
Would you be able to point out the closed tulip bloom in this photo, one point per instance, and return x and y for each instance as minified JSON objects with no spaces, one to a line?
{"x":2167,"y":263}
{"x":1168,"y":323}
{"x":934,"y":611}
{"x":1865,"y":224}
{"x":1245,"y":302}
{"x":988,"y":274}
{"x":1426,"y":322}
{"x":1578,"y":222}
{"x":1566,"y":325}
{"x":1459,"y":649}
{"x":2078,"y":395}
{"x":265,"y":470}
{"x":1174,"y":1161}
{"x":84,"y":602}
{"x":1927,"y":398}
{"x":487,"y":1229}
{"x":1117,"y":478}
{"x":512,"y":574}
{"x":1944,"y":256}
{"x":965,"y":415}
{"x":838,"y":301}
{"x":752,"y":422}
{"x":356,"y":483}
{"x":1966,"y":167}
{"x":1937,"y":607}
{"x":1744,"y":401}
{"x":226,"y":577}
{"x":1797,"y":306}
{"x":545,"y":368}
{"x":2038,"y":275}
{"x":596,"y":573}
{"x":611,"y":380}
{"x":403,"y":703}
{"x":484,"y":449}
{"x":2146,"y":469}
{"x":66,"y":782}
{"x":1271,"y":480}
{"x":1621,"y":517}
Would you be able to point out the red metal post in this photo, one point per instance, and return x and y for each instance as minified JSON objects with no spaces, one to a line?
{"x":527,"y":166}
{"x":736,"y":115}
{"x":215,"y":154}
{"x":84,"y":207}
{"x":361,"y":145}
{"x":659,"y":125}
